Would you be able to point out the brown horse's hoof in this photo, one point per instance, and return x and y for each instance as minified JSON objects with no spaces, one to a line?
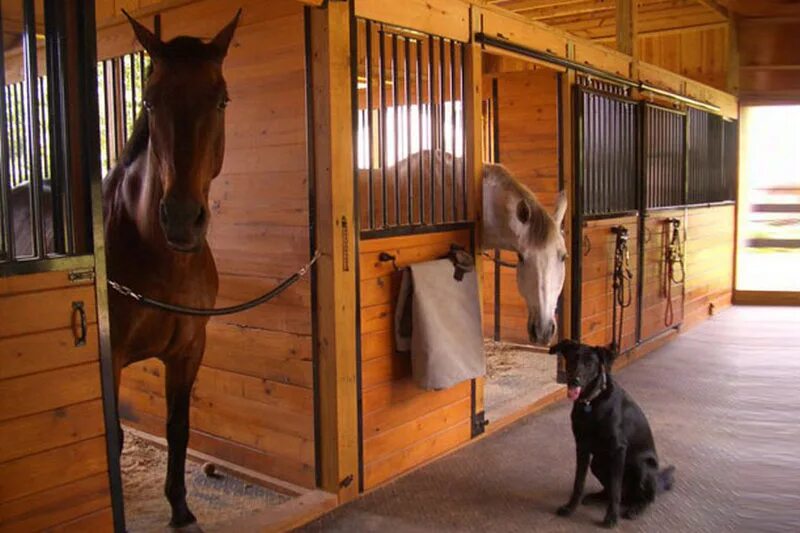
{"x":182,"y":519}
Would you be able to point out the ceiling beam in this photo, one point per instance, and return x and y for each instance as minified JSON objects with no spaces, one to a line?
{"x":715,"y":6}
{"x":627,"y":27}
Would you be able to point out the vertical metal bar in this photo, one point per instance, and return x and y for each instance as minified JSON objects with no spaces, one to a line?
{"x":107,"y":97}
{"x":463,"y":100}
{"x":12,"y":132}
{"x":420,"y":134}
{"x":58,"y":141}
{"x":396,"y":117}
{"x":442,"y":123}
{"x":409,"y":180}
{"x":29,"y":54}
{"x":368,"y":74}
{"x":496,"y":159}
{"x":142,"y":74}
{"x":383,"y":122}
{"x":453,"y":124}
{"x":6,"y":226}
{"x":123,"y":100}
{"x":432,"y":125}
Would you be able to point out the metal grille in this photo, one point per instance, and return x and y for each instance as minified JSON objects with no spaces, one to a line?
{"x":603,"y":86}
{"x":18,"y":123}
{"x":664,"y":157}
{"x":410,"y":128}
{"x":608,"y":145}
{"x":120,"y":89}
{"x":705,"y":177}
{"x":730,"y":158}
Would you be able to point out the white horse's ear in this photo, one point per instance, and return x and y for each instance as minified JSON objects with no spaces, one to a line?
{"x":561,"y":209}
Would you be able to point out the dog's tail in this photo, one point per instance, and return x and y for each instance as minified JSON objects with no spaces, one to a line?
{"x":666,"y":479}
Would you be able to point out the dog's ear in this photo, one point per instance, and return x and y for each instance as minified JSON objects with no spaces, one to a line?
{"x":564,"y":347}
{"x":607,"y":355}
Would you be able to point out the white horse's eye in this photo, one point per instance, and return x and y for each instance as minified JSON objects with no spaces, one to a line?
{"x":520,"y":258}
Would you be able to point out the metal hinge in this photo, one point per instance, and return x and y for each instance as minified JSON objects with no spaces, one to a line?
{"x":479,"y":423}
{"x":86,"y":274}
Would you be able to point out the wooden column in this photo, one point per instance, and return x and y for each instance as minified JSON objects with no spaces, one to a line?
{"x":473,"y":94}
{"x":733,"y":57}
{"x":335,"y":234}
{"x":626,"y":27}
{"x":567,"y":156}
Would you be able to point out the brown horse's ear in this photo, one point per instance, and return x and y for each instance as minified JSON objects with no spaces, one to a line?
{"x":223,"y":39}
{"x":148,"y":39}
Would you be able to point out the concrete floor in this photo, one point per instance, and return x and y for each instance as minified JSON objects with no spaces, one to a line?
{"x":723,"y":401}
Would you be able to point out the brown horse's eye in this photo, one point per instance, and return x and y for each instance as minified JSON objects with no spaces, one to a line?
{"x":148,"y":106}
{"x":223,"y":103}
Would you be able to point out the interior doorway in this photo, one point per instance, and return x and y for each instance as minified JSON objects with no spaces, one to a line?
{"x":768,"y":256}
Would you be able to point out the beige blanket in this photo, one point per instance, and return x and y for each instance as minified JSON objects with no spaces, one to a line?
{"x":438,"y":321}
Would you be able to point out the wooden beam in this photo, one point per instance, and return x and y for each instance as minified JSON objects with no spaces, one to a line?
{"x":626,"y":27}
{"x":336,"y":240}
{"x":713,"y":5}
{"x":732,"y":82}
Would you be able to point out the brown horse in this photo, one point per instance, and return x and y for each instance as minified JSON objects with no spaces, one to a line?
{"x":155,"y":206}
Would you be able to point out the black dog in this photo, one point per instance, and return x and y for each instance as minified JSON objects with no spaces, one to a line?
{"x":612,"y":431}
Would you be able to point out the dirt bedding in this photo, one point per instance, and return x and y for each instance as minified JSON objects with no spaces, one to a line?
{"x":516,"y":376}
{"x":214,"y":500}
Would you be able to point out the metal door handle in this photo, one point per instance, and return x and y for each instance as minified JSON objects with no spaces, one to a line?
{"x":79,"y":309}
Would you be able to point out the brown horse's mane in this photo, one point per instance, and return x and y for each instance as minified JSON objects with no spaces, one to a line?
{"x":180,"y":49}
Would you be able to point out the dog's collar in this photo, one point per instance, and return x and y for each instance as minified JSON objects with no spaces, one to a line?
{"x":598,"y":390}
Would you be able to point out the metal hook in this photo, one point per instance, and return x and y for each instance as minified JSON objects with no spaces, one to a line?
{"x":383,"y":257}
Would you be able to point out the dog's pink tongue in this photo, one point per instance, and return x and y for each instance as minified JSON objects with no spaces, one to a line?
{"x":573,"y":393}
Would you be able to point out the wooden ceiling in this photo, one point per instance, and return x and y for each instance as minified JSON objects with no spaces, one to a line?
{"x":596,"y":19}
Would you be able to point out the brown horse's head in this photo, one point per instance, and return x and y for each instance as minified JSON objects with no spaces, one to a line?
{"x":185,"y":101}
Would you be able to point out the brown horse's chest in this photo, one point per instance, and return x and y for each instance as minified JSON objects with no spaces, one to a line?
{"x":140,"y":332}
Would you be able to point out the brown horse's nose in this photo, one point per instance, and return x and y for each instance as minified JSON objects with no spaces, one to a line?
{"x":183,"y":221}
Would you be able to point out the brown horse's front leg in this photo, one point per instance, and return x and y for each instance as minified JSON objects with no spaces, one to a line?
{"x":180,"y":376}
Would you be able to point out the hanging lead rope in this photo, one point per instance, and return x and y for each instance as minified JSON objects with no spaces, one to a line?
{"x":282,"y":286}
{"x":499,"y":261}
{"x":622,"y":277}
{"x":674,"y":256}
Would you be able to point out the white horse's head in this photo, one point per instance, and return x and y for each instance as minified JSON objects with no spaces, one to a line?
{"x":541,"y":269}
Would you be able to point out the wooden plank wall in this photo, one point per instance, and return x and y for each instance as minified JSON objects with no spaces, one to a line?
{"x":528,"y":139}
{"x":700,"y":54}
{"x":53,"y":472}
{"x":709,"y":261}
{"x":657,"y":237}
{"x":597,"y":294}
{"x":403,"y":425}
{"x":253,"y":404}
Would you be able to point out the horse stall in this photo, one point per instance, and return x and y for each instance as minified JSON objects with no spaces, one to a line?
{"x":522,"y":131}
{"x":355,"y":139}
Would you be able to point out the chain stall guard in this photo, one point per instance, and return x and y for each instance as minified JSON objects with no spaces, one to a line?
{"x":193,"y":311}
{"x":622,"y":277}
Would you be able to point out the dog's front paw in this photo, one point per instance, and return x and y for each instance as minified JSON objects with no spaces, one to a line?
{"x":610,"y":521}
{"x":565,"y":510}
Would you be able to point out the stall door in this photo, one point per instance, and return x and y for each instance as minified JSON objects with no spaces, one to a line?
{"x":664,"y":223}
{"x":56,"y":395}
{"x":606,"y":224}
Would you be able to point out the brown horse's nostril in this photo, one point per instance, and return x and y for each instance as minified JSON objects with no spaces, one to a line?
{"x":201,"y":218}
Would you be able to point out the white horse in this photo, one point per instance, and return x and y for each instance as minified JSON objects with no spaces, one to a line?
{"x":514,"y":220}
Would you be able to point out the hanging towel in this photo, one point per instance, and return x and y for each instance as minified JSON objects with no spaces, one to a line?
{"x":437,"y":320}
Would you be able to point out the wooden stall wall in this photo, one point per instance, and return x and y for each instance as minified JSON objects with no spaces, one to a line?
{"x":709,"y":261}
{"x":53,"y":472}
{"x":403,"y":425}
{"x":597,"y":293}
{"x":253,"y":403}
{"x":527,"y":105}
{"x":655,"y":277}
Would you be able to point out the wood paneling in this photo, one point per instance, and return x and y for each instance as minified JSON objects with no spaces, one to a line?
{"x":528,"y":140}
{"x":446,"y":18}
{"x":254,"y":394}
{"x":403,"y":425}
{"x":53,"y":465}
{"x":597,"y":290}
{"x":709,"y":261}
